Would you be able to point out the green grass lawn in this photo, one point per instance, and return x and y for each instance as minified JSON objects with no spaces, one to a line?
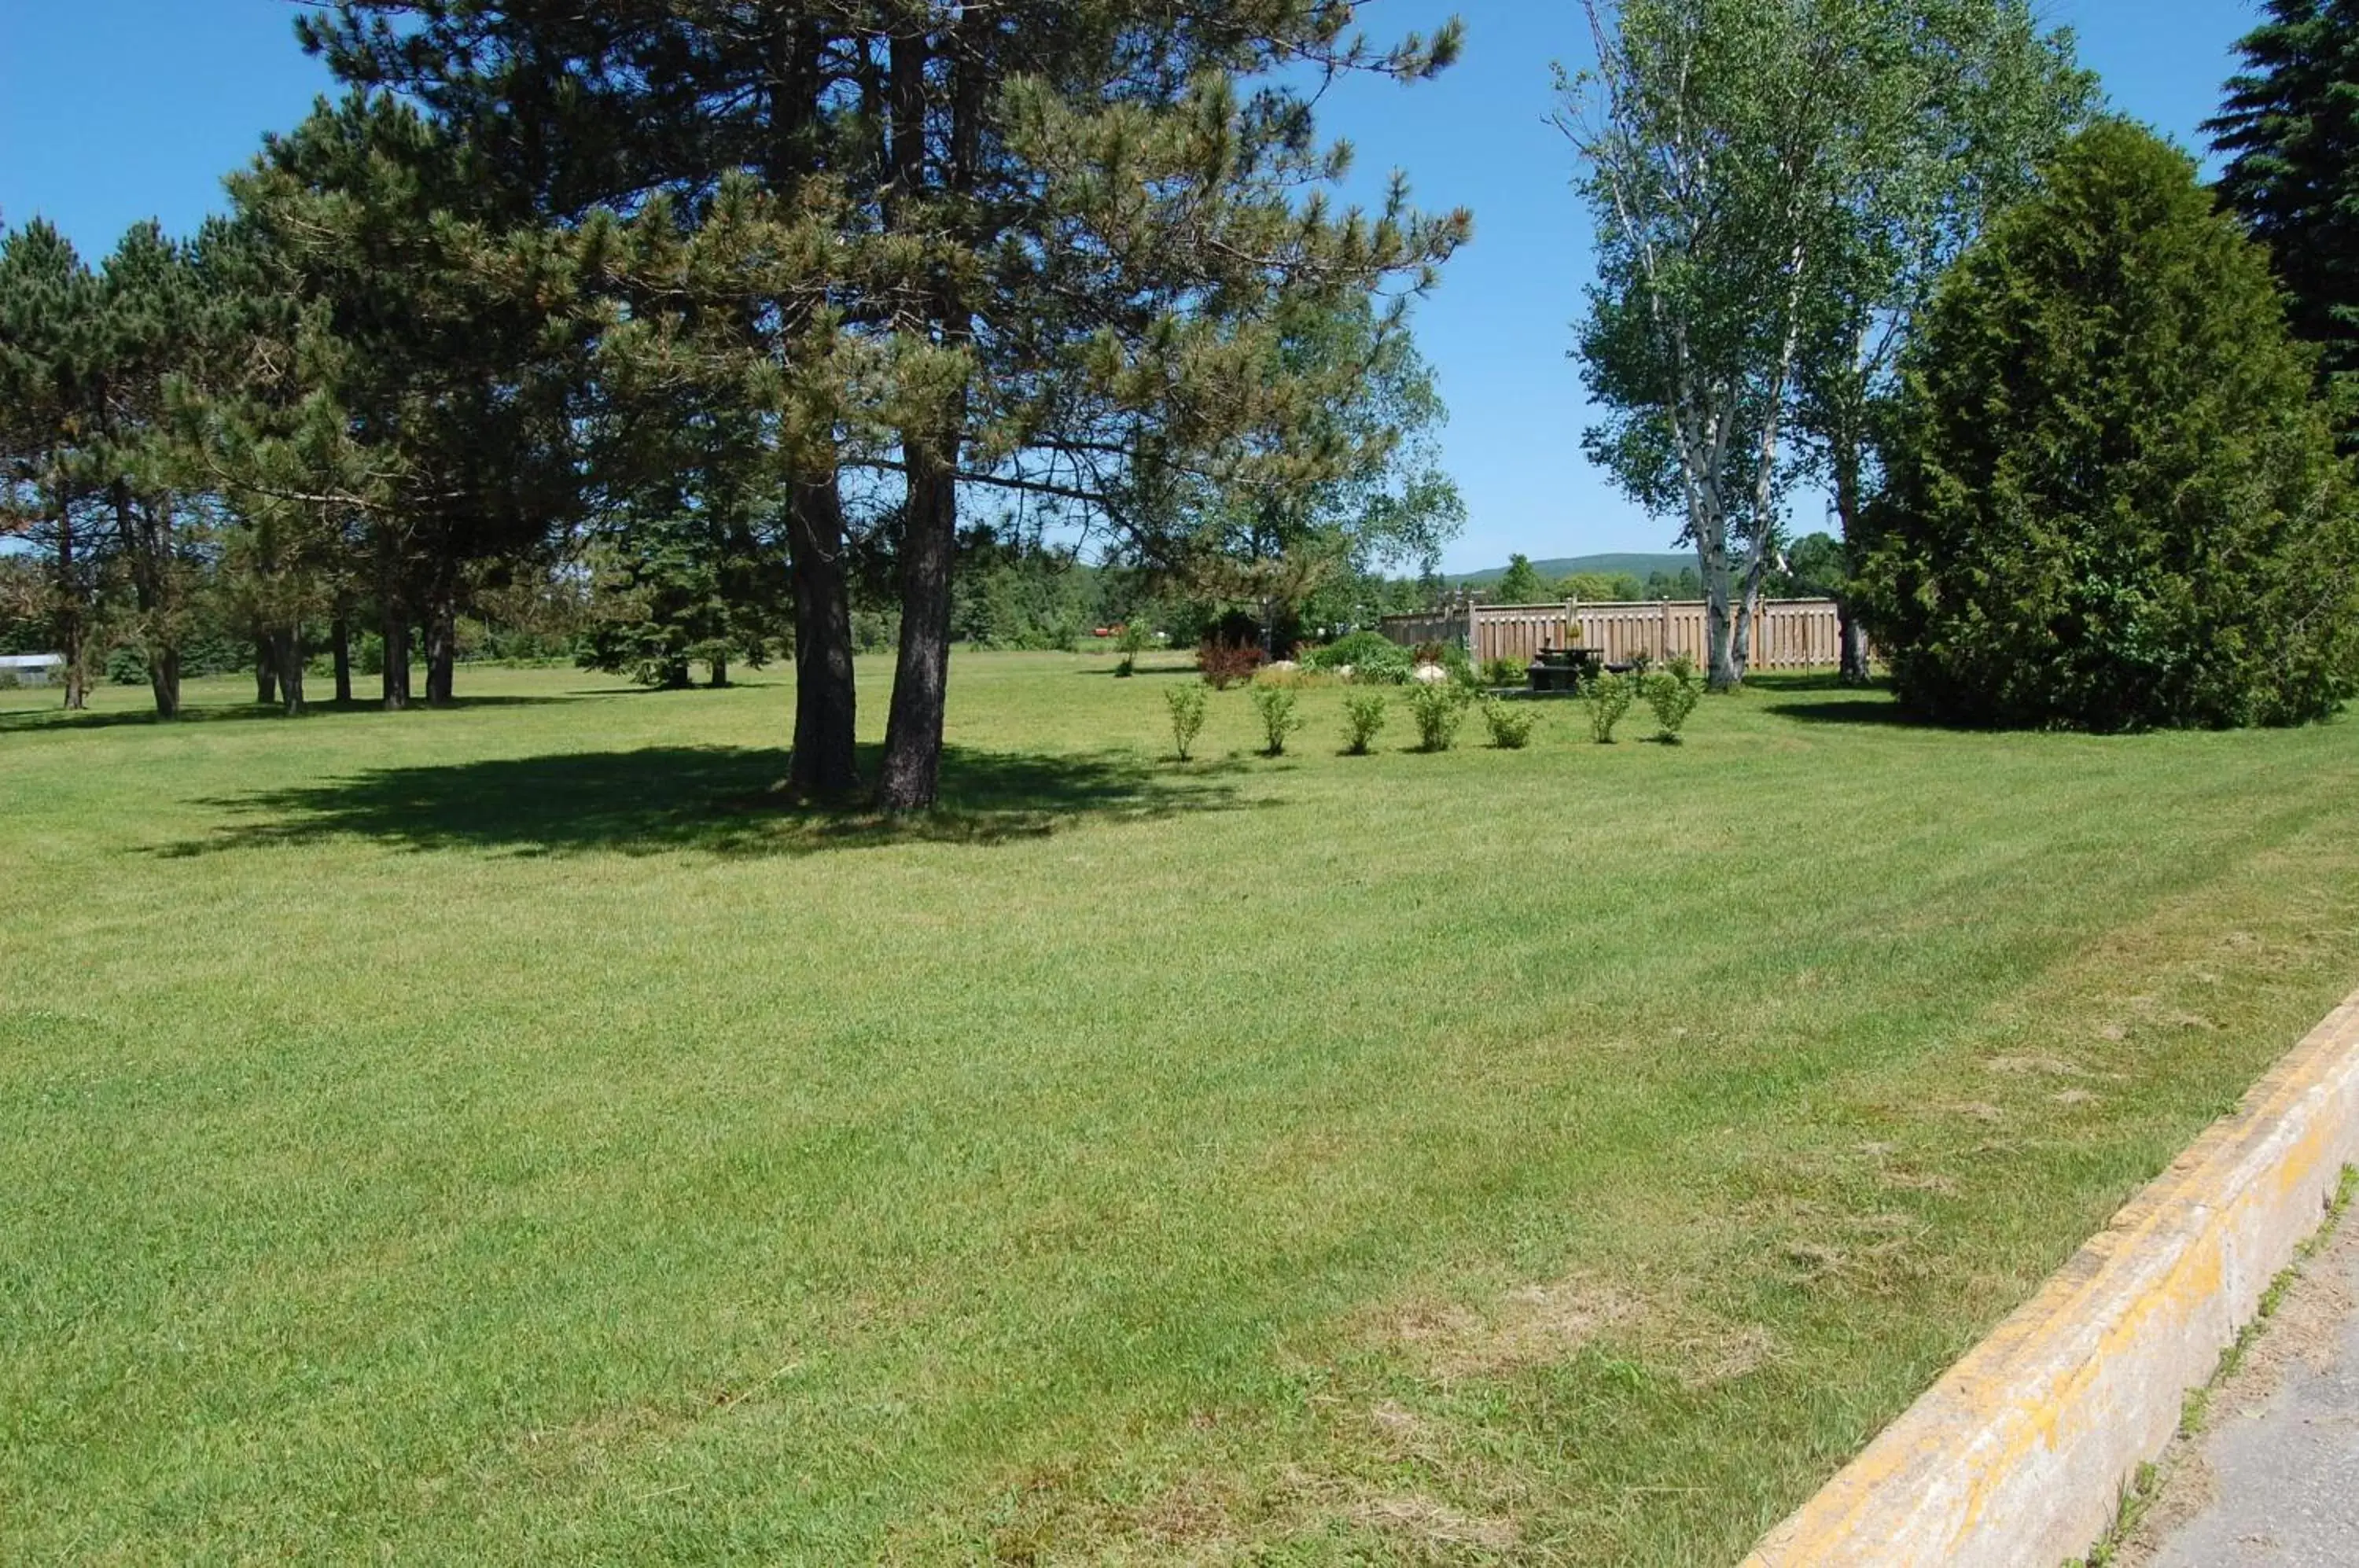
{"x":501,"y":1135}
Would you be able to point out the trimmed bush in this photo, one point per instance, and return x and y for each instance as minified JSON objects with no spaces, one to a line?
{"x":1363,"y":718}
{"x":1132,"y":642}
{"x":1186,"y":705}
{"x":1673,"y":692}
{"x":1438,"y":710}
{"x":2113,"y":501}
{"x":1510,"y":724}
{"x":1278,"y":719}
{"x":1607,"y":697}
{"x":1506,"y":672}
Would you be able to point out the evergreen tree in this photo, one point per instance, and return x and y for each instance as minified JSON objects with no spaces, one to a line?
{"x":2291,"y":131}
{"x":2114,"y":501}
{"x":684,"y":567}
{"x":427,"y":372}
{"x":1519,"y":585}
{"x":50,"y":353}
{"x":1055,"y":234}
{"x":148,"y":307}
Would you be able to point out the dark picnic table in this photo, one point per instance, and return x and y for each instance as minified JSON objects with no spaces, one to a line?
{"x":1563,"y":668}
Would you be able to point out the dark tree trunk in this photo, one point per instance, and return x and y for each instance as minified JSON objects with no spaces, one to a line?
{"x":675,"y":676}
{"x":911,"y":778}
{"x":720,"y":672}
{"x":1853,"y":670}
{"x":824,"y":764}
{"x":340,"y":635}
{"x":395,"y":682}
{"x":266,"y":670}
{"x":164,"y":679}
{"x":442,"y":652}
{"x":286,"y":654}
{"x":146,"y":543}
{"x":69,"y":624}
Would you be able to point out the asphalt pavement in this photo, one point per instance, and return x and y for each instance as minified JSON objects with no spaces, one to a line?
{"x":2273,"y":1479}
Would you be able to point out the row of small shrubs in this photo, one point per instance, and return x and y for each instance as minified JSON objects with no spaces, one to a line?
{"x":1439,"y":711}
{"x":1673,"y":692}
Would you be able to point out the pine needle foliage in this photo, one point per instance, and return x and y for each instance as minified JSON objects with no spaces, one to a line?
{"x":2113,"y":502}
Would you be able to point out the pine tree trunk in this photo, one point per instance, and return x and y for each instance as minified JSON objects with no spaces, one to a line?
{"x":824,"y":764}
{"x":286,"y":654}
{"x":266,"y":670}
{"x":720,"y":672}
{"x":164,"y":679}
{"x":340,"y":635}
{"x":69,"y":619}
{"x":675,"y":675}
{"x":911,"y":777}
{"x":149,"y":549}
{"x":442,"y":652}
{"x":394,"y":684}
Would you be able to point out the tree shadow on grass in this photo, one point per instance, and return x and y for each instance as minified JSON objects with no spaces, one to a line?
{"x":722,"y":800}
{"x":1850,"y":711}
{"x":34,"y":720}
{"x":1840,"y":704}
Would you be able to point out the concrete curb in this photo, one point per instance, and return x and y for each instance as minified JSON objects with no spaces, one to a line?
{"x":2019,"y":1457}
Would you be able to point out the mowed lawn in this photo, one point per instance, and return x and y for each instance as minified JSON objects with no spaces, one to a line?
{"x":503,"y":1136}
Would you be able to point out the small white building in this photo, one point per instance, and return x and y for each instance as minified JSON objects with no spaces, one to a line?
{"x":32,"y":669}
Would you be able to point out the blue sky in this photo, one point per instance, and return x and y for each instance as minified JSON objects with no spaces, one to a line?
{"x":115,"y":110}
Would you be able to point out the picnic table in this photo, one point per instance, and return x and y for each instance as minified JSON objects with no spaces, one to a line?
{"x":1563,"y":668}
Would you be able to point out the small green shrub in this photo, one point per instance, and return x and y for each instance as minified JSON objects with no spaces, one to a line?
{"x":1188,"y":704}
{"x":1505,"y":671}
{"x":1363,"y":718}
{"x":8,"y":681}
{"x":1673,"y":692}
{"x":1609,"y":697}
{"x":1510,"y":724}
{"x":1438,"y":710}
{"x":1278,"y":719}
{"x":1132,"y":642}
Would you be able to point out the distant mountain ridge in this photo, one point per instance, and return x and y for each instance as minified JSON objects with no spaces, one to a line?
{"x":1638,"y":566}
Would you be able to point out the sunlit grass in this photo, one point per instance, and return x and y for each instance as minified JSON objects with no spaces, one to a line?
{"x":506,"y":1134}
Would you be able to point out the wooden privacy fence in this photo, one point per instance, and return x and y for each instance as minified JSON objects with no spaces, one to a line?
{"x":1788,"y":634}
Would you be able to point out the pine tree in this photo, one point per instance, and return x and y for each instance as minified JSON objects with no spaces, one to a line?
{"x":1054,"y":240}
{"x":147,"y":315}
{"x":2290,"y":131}
{"x":50,"y":353}
{"x":429,"y":371}
{"x":2113,"y":502}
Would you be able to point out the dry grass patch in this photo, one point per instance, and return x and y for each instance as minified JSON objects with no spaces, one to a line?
{"x":1531,"y":1325}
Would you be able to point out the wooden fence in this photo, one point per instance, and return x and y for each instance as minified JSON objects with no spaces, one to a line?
{"x":1788,"y":634}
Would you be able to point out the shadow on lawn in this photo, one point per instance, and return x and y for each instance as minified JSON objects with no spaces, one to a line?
{"x":35,"y":719}
{"x":1825,"y":699}
{"x":724,"y":800}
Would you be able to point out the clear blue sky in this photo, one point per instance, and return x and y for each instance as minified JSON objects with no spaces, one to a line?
{"x":115,"y":110}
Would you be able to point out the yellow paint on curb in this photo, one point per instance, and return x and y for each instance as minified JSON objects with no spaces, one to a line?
{"x":2019,"y":1457}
